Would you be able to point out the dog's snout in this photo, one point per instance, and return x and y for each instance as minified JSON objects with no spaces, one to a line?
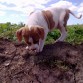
{"x":33,"y":48}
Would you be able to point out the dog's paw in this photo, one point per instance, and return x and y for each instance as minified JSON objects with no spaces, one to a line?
{"x":31,"y":51}
{"x":40,"y":50}
{"x":58,"y":41}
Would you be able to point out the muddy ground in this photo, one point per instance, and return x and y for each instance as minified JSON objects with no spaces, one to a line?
{"x":57,"y":63}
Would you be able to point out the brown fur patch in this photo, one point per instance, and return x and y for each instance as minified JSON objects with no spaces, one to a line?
{"x":19,"y":33}
{"x":49,"y":19}
{"x":23,"y":32}
{"x":36,"y":33}
{"x":66,"y":18}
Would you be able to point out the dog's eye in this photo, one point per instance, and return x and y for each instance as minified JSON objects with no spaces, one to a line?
{"x":35,"y":41}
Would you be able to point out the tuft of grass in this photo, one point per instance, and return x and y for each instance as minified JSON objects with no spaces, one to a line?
{"x":75,"y":34}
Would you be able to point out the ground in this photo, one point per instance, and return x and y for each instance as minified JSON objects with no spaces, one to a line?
{"x":60,"y":62}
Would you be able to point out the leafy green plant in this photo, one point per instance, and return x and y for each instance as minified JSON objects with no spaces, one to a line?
{"x":52,"y":36}
{"x":8,"y":30}
{"x":75,"y":34}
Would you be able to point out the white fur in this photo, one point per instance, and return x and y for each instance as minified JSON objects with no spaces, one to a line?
{"x":37,"y":19}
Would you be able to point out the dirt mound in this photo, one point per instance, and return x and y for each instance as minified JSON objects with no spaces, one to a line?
{"x":57,"y":63}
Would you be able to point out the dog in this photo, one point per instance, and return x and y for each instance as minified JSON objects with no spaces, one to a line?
{"x":40,"y":23}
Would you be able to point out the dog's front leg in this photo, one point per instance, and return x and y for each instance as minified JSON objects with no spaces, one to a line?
{"x":41,"y":44}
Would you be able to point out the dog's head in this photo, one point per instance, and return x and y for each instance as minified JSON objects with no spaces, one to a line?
{"x":31,"y":36}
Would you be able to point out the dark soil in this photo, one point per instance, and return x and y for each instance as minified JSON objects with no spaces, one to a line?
{"x":57,"y":63}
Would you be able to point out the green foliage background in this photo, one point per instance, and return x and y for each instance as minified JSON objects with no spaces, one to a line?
{"x":8,"y":30}
{"x":74,"y":36}
{"x":75,"y":33}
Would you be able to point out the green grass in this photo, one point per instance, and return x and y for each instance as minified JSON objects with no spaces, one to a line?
{"x":8,"y":30}
{"x":75,"y":33}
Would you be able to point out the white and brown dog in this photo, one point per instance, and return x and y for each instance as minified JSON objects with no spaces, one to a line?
{"x":40,"y":23}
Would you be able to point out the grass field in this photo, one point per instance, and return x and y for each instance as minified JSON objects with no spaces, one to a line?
{"x":75,"y":33}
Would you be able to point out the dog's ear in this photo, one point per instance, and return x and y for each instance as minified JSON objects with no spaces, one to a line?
{"x":41,"y":33}
{"x":19,"y":34}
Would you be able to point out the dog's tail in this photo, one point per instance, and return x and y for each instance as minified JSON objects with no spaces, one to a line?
{"x":78,"y":17}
